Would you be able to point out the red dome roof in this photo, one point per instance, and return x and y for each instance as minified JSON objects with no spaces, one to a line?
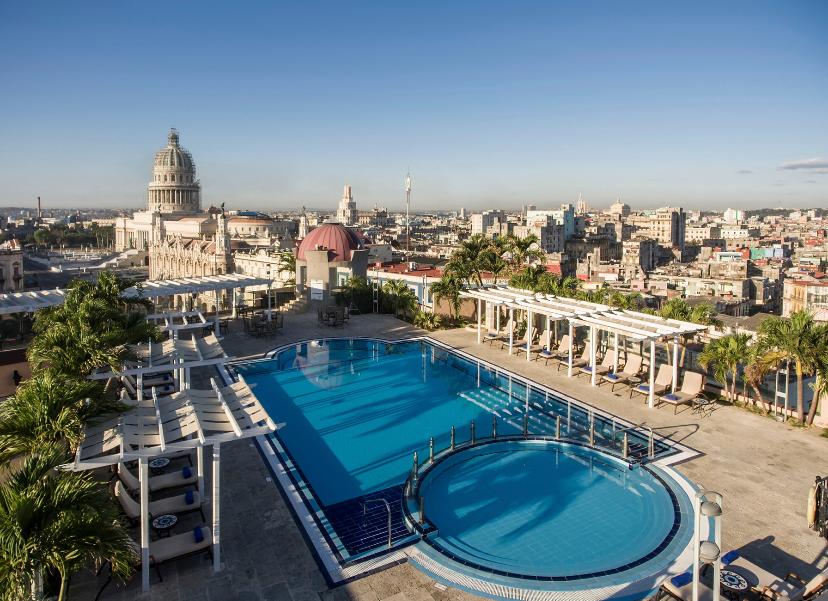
{"x":334,"y":237}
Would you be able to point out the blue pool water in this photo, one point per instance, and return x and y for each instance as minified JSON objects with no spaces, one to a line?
{"x":540,"y":509}
{"x":356,"y":410}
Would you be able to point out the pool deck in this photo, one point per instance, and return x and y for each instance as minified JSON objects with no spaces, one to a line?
{"x":762,"y":468}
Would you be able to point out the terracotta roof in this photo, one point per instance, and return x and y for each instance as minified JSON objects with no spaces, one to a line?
{"x":334,"y":237}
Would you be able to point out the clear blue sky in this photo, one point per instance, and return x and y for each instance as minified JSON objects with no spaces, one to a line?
{"x":488,"y":104}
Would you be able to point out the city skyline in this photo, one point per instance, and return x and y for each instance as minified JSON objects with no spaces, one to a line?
{"x":701,"y":106}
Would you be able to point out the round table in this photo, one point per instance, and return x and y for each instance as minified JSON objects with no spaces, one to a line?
{"x":733,"y":583}
{"x":158,"y":464}
{"x":164,"y":523}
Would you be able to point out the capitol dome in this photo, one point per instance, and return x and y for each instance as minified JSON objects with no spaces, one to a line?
{"x":334,"y":237}
{"x":174,"y":187}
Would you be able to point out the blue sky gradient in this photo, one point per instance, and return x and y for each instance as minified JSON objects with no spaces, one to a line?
{"x":698,"y":104}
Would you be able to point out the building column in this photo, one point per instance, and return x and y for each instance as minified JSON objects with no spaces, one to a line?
{"x":143,"y":478}
{"x":651,"y":391}
{"x":675,"y":362}
{"x":215,"y":502}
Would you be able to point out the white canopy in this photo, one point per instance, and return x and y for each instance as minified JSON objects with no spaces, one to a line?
{"x":183,"y":421}
{"x":29,"y":302}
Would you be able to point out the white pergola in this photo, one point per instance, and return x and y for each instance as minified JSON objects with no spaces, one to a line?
{"x":176,"y":321}
{"x":178,"y":356}
{"x":184,"y":421}
{"x":29,"y":302}
{"x":632,"y":325}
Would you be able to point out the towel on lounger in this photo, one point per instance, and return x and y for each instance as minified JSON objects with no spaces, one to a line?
{"x":188,"y":497}
{"x":682,"y":579}
{"x":186,"y":471}
{"x":198,"y":534}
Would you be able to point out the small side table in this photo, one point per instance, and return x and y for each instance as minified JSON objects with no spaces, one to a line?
{"x":734,"y":585}
{"x":159,"y":464}
{"x":164,"y":523}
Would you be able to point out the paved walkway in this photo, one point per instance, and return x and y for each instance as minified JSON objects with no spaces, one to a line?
{"x":762,"y":468}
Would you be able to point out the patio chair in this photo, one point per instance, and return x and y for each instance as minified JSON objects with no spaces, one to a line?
{"x":130,"y":385}
{"x":176,"y":505}
{"x":691,"y":388}
{"x":605,"y":366}
{"x":563,"y":347}
{"x":495,"y":336}
{"x":527,"y":346}
{"x":663,"y":380}
{"x":577,"y":362}
{"x":156,"y":483}
{"x":770,"y":586}
{"x":632,"y":369}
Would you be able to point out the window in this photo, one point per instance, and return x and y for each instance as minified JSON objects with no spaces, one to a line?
{"x":172,"y":178}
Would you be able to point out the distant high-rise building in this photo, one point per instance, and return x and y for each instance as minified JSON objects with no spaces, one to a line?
{"x":488,"y":223}
{"x":581,"y":207}
{"x":733,"y":216}
{"x":619,"y":208}
{"x":462,"y":214}
{"x":347,"y":213}
{"x":666,"y":225}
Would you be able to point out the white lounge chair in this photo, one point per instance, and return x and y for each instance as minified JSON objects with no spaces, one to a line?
{"x":691,"y":388}
{"x":576,"y":361}
{"x":495,"y":336}
{"x":177,"y":504}
{"x":603,"y":368}
{"x":632,"y":368}
{"x":131,"y":386}
{"x":156,"y":483}
{"x":663,"y":380}
{"x":563,"y":348}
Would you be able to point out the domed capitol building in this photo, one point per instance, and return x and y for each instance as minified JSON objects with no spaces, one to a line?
{"x":179,"y":239}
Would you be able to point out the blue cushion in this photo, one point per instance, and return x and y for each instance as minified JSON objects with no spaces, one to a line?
{"x":198,"y":534}
{"x":611,"y":377}
{"x":546,"y":353}
{"x":730,"y":557}
{"x":682,"y":579}
{"x":643,"y":387}
{"x":189,"y":498}
{"x":671,"y":397}
{"x":186,"y":471}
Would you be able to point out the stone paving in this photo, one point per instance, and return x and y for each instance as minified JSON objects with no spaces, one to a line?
{"x":762,"y":468}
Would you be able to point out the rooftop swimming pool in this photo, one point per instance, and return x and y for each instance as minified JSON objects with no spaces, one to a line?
{"x":356,"y":411}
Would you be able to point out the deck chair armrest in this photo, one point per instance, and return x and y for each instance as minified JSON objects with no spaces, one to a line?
{"x":767,"y":593}
{"x":796,"y":577}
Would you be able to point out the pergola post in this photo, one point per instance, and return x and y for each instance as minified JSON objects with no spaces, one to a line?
{"x":651,"y":391}
{"x":234,"y":313}
{"x":139,"y":385}
{"x":215,"y":502}
{"x":571,"y":336}
{"x":511,"y":329}
{"x":479,"y":320}
{"x":592,"y":357}
{"x":497,"y":319}
{"x":675,"y":363}
{"x":615,"y":361}
{"x":548,"y":332}
{"x":200,"y":471}
{"x":143,"y":477}
{"x":528,"y":333}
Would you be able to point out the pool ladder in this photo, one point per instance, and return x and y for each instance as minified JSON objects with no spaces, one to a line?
{"x":387,"y":509}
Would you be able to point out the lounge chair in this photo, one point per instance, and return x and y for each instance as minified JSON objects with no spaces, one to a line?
{"x":631,"y":370}
{"x":561,"y":351}
{"x":176,"y":505}
{"x":527,"y":346}
{"x":770,"y":586}
{"x":494,"y":336}
{"x":131,"y":386}
{"x":691,"y":388}
{"x":156,"y":483}
{"x":576,"y":361}
{"x":605,"y":366}
{"x":663,"y":380}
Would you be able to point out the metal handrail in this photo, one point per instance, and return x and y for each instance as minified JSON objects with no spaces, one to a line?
{"x":387,"y":508}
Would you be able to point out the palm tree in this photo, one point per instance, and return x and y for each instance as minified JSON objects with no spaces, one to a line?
{"x":464,"y":261}
{"x":522,"y":252}
{"x":402,"y":298}
{"x":49,"y":409}
{"x":757,"y":368}
{"x":427,"y":321}
{"x":54,"y":521}
{"x":92,"y":328}
{"x":287,"y":263}
{"x":793,"y":340}
{"x":677,"y":308}
{"x":724,"y":355}
{"x":448,"y":288}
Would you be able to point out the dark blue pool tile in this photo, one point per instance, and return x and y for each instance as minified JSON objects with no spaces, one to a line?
{"x":362,"y":525}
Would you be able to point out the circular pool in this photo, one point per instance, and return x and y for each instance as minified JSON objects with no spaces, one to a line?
{"x":550,"y":511}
